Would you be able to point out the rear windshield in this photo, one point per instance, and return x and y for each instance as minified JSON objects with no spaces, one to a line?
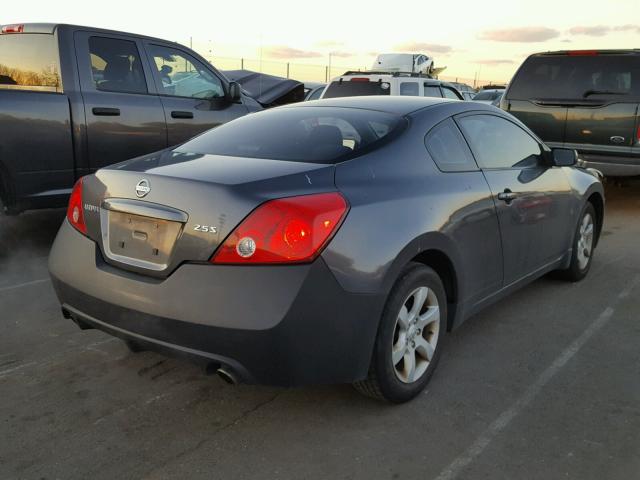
{"x":300,"y":134}
{"x":577,"y":77}
{"x":357,"y":88}
{"x":29,"y":61}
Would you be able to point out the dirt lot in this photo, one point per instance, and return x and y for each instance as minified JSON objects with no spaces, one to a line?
{"x":544,"y":385}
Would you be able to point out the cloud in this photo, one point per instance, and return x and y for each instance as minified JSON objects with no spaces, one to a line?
{"x":627,"y":28}
{"x":329,"y":44}
{"x":523,"y":34}
{"x":283,"y":52}
{"x":422,"y":47}
{"x":565,"y":40}
{"x":341,"y":54}
{"x":594,"y":31}
{"x":493,"y":63}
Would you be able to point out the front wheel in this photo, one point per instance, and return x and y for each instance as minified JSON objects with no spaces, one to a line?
{"x":583,"y":246}
{"x":409,"y":340}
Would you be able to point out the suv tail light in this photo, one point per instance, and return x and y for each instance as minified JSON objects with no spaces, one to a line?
{"x":13,"y":29}
{"x":75,"y":213}
{"x":285,"y":230}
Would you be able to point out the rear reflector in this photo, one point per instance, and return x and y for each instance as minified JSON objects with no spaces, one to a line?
{"x":582,"y":53}
{"x":13,"y":29}
{"x":285,"y":230}
{"x":75,"y":213}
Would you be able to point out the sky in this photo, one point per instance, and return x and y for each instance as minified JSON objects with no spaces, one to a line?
{"x":483,"y":40}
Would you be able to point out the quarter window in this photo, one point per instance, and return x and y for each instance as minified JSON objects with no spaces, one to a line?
{"x":447,"y":147}
{"x":115,"y":66}
{"x":183,"y":76}
{"x":409,"y":88}
{"x":499,"y":143}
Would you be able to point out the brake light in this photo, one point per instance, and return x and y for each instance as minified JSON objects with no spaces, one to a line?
{"x":13,"y":29}
{"x":75,"y":214}
{"x":582,"y":53}
{"x":359,"y":79}
{"x":285,"y":230}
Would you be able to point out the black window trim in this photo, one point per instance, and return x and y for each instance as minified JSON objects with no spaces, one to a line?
{"x":543,"y":148}
{"x":158,"y":81}
{"x":466,"y":144}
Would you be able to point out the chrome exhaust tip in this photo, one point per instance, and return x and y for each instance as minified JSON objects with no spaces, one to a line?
{"x":228,"y":376}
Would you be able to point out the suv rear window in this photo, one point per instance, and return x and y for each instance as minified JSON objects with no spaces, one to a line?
{"x":356,"y":88}
{"x":300,"y":134}
{"x":29,"y":61}
{"x":577,"y":77}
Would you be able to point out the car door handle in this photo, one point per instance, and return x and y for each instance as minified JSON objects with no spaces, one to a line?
{"x":507,"y":196}
{"x":179,"y":114}
{"x":106,"y":112}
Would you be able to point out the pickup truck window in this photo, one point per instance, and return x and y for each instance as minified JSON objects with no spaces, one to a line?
{"x":183,"y":76}
{"x":115,"y":66}
{"x":30,"y":62}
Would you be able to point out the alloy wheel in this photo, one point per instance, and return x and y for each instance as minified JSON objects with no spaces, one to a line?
{"x":415,"y":335}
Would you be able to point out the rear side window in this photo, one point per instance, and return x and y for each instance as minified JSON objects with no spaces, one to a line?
{"x":29,"y":61}
{"x":578,"y":77}
{"x":300,"y":134}
{"x":356,"y":88}
{"x":316,"y":94}
{"x":448,"y":148}
{"x":498,"y":143}
{"x":432,"y":91}
{"x":449,"y":93}
{"x":409,"y":88}
{"x":116,"y":66}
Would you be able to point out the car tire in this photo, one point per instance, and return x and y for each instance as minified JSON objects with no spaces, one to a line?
{"x":409,"y":337}
{"x":583,"y":246}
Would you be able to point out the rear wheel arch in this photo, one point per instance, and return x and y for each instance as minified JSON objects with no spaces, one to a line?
{"x":442,"y":264}
{"x":597,"y":201}
{"x":7,"y":195}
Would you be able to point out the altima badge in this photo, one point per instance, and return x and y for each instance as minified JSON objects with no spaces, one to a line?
{"x":142,"y":188}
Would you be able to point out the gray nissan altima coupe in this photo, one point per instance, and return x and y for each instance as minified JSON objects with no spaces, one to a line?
{"x":325,"y":242}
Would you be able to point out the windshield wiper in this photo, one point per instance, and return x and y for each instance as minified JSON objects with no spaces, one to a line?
{"x":602,"y":92}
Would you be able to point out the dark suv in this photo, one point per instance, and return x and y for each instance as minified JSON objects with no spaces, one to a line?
{"x":583,"y":99}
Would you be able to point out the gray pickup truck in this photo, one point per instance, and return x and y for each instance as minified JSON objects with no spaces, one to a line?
{"x":75,"y":99}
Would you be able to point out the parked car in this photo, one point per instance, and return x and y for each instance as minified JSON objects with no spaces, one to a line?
{"x":587,"y":100}
{"x":276,"y":249}
{"x":313,"y":90}
{"x":74,"y":99}
{"x":383,"y":83}
{"x":490,"y":97}
{"x":467,"y":91}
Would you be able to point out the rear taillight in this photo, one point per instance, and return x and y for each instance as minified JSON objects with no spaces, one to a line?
{"x":285,"y":230}
{"x":13,"y":29}
{"x":75,"y":213}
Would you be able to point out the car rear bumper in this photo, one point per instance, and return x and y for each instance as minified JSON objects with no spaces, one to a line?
{"x":280,"y":325}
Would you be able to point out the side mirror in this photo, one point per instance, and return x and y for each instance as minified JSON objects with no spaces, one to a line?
{"x":235,"y":94}
{"x":564,"y":157}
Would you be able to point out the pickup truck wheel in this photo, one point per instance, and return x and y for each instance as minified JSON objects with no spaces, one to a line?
{"x":409,"y":342}
{"x":134,"y":347}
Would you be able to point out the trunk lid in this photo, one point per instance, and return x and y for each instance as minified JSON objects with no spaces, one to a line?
{"x":153,"y":213}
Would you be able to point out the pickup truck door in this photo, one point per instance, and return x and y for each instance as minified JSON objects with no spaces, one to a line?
{"x":192,"y":92}
{"x":124,"y":116}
